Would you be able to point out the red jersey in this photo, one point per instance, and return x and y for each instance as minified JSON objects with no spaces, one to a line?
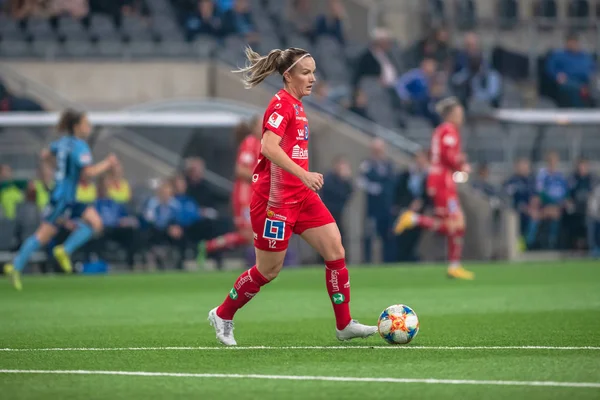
{"x":285,"y":117}
{"x":247,"y":156}
{"x":446,"y":155}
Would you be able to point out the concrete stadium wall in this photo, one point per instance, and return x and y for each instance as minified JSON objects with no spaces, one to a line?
{"x":118,"y":84}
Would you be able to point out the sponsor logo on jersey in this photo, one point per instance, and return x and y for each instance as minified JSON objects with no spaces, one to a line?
{"x":246,"y":157}
{"x":233,"y":294}
{"x":304,"y":119}
{"x":277,"y":106}
{"x":274,"y":230}
{"x":296,"y":109}
{"x":85,"y":158}
{"x":275,"y":120}
{"x":298,"y":153}
{"x":270,"y":213}
{"x":273,"y":214}
{"x":255,"y":177}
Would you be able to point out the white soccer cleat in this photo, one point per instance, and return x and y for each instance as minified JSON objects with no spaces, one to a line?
{"x":223,"y":328}
{"x":355,"y":330}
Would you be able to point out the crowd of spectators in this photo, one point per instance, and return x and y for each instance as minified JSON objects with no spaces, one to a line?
{"x":163,"y":228}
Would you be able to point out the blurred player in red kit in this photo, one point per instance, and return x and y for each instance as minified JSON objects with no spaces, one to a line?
{"x":446,"y":159}
{"x":248,"y":137}
{"x":284,"y":199}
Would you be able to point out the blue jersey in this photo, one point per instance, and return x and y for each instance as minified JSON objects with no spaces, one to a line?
{"x":552,"y":187}
{"x":520,"y":188}
{"x":72,"y":155}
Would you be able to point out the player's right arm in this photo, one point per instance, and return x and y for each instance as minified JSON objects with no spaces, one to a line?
{"x":275,"y":154}
{"x":84,"y":160}
{"x":246,"y":162}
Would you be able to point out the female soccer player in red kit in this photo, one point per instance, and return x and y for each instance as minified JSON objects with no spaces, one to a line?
{"x":247,"y":157}
{"x":446,"y":159}
{"x":284,"y":199}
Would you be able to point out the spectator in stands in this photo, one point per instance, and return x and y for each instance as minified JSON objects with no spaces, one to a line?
{"x":413,"y":88}
{"x":520,"y":189}
{"x":11,"y":192}
{"x":359,"y":104}
{"x":377,"y":179}
{"x":581,"y":185}
{"x":10,"y":102}
{"x":332,"y":23}
{"x":593,"y":222}
{"x":43,"y":185}
{"x":437,"y":92}
{"x":478,"y":82}
{"x":86,"y":191}
{"x":161,"y":214}
{"x":300,"y":19}
{"x":337,"y":190}
{"x":117,"y":186}
{"x":482,"y":182}
{"x":75,"y":8}
{"x":28,"y":215}
{"x":551,"y":193}
{"x":239,"y":21}
{"x":435,"y":46}
{"x":468,"y":55}
{"x":203,"y":21}
{"x":224,"y":5}
{"x":410,"y":194}
{"x":573,"y":69}
{"x":119,"y":226}
{"x":202,"y":191}
{"x":375,"y":61}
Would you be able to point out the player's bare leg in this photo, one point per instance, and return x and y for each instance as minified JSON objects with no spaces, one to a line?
{"x":456,"y":231}
{"x":248,"y":284}
{"x":327,"y":241}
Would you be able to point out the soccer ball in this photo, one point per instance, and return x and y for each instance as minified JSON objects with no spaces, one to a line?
{"x":398,"y":324}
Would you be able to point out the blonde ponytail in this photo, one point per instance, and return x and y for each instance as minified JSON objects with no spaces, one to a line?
{"x":258,"y":68}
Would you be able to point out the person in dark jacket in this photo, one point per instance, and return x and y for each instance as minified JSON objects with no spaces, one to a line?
{"x":119,"y":226}
{"x":378,"y":179}
{"x":581,"y":185}
{"x":410,"y":194}
{"x":337,"y":190}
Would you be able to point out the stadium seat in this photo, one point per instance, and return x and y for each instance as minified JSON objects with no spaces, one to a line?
{"x":7,"y":234}
{"x":295,"y":40}
{"x":101,"y":26}
{"x":204,"y":46}
{"x":46,"y":48}
{"x":39,"y":28}
{"x":142,"y":48}
{"x":13,"y":48}
{"x":79,"y":48}
{"x":110,"y":48}
{"x":70,"y":28}
{"x":175,"y":49}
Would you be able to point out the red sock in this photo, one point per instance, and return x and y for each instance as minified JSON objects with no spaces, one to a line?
{"x":245,"y":288}
{"x":432,"y":224}
{"x":338,"y":287}
{"x":455,"y":247}
{"x":227,"y":241}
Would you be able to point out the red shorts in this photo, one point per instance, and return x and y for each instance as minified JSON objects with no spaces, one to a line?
{"x":273,"y":226}
{"x":445,"y":200}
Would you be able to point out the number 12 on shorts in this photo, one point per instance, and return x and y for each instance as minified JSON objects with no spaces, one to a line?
{"x":274,"y":230}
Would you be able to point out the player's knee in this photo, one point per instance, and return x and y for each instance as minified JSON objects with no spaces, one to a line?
{"x":335,"y":251}
{"x":269,"y":271}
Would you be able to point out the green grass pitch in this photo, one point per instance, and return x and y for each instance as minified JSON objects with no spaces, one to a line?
{"x":472,"y":342}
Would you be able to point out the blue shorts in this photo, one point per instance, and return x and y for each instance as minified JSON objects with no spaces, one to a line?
{"x":57,"y":212}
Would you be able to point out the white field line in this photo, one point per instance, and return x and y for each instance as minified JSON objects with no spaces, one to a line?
{"x":241,"y":348}
{"x":311,"y":378}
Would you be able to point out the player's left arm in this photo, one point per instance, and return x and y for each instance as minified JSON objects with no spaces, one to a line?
{"x":451,"y":154}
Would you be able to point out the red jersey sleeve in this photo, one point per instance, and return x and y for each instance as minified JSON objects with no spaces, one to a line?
{"x":450,"y":153}
{"x":277,"y":117}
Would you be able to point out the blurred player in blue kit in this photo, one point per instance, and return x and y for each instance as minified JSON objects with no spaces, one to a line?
{"x":72,"y":159}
